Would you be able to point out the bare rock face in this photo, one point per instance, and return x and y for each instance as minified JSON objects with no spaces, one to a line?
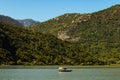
{"x":63,"y":35}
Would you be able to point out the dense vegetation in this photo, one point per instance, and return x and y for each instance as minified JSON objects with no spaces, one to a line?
{"x":21,"y":46}
{"x":60,"y":23}
{"x":101,"y":34}
{"x":98,"y":33}
{"x":98,"y":40}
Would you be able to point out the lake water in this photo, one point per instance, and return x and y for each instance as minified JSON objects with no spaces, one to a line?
{"x":53,"y":74}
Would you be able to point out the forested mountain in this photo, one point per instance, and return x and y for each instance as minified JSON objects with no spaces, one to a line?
{"x":20,"y":46}
{"x":9,"y":20}
{"x":98,"y":33}
{"x":60,"y":23}
{"x":72,"y":26}
{"x":27,"y":22}
{"x":84,"y":39}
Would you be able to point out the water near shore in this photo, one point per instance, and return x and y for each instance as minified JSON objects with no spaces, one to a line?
{"x":51,"y":73}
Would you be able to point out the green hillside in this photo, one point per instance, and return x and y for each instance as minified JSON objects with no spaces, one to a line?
{"x":84,"y":39}
{"x":75,"y":24}
{"x":97,"y":33}
{"x":20,"y":46}
{"x":101,"y":33}
{"x":60,"y":23}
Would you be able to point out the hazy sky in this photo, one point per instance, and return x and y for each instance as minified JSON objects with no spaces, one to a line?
{"x":42,"y":10}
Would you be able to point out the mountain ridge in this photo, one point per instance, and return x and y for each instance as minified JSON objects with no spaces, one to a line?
{"x":98,"y":33}
{"x":63,"y":24}
{"x":9,"y":20}
{"x":17,"y":22}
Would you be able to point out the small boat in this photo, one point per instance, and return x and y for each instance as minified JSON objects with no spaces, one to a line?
{"x":64,"y":69}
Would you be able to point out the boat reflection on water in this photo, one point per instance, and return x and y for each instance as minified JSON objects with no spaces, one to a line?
{"x":64,"y":69}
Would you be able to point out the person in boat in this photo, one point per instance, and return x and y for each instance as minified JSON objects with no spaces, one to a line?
{"x":64,"y":69}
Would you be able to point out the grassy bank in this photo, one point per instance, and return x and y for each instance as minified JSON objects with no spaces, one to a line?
{"x":56,"y":66}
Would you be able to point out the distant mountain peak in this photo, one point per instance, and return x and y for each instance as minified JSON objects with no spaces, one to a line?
{"x":27,"y":22}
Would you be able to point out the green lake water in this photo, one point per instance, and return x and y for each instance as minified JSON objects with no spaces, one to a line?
{"x":53,"y":74}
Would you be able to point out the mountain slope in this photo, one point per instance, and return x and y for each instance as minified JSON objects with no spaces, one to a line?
{"x":93,"y":39}
{"x":9,"y":20}
{"x":105,"y":19}
{"x":98,"y":33}
{"x":25,"y":47}
{"x":101,"y":33}
{"x":60,"y":23}
{"x":71,"y":26}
